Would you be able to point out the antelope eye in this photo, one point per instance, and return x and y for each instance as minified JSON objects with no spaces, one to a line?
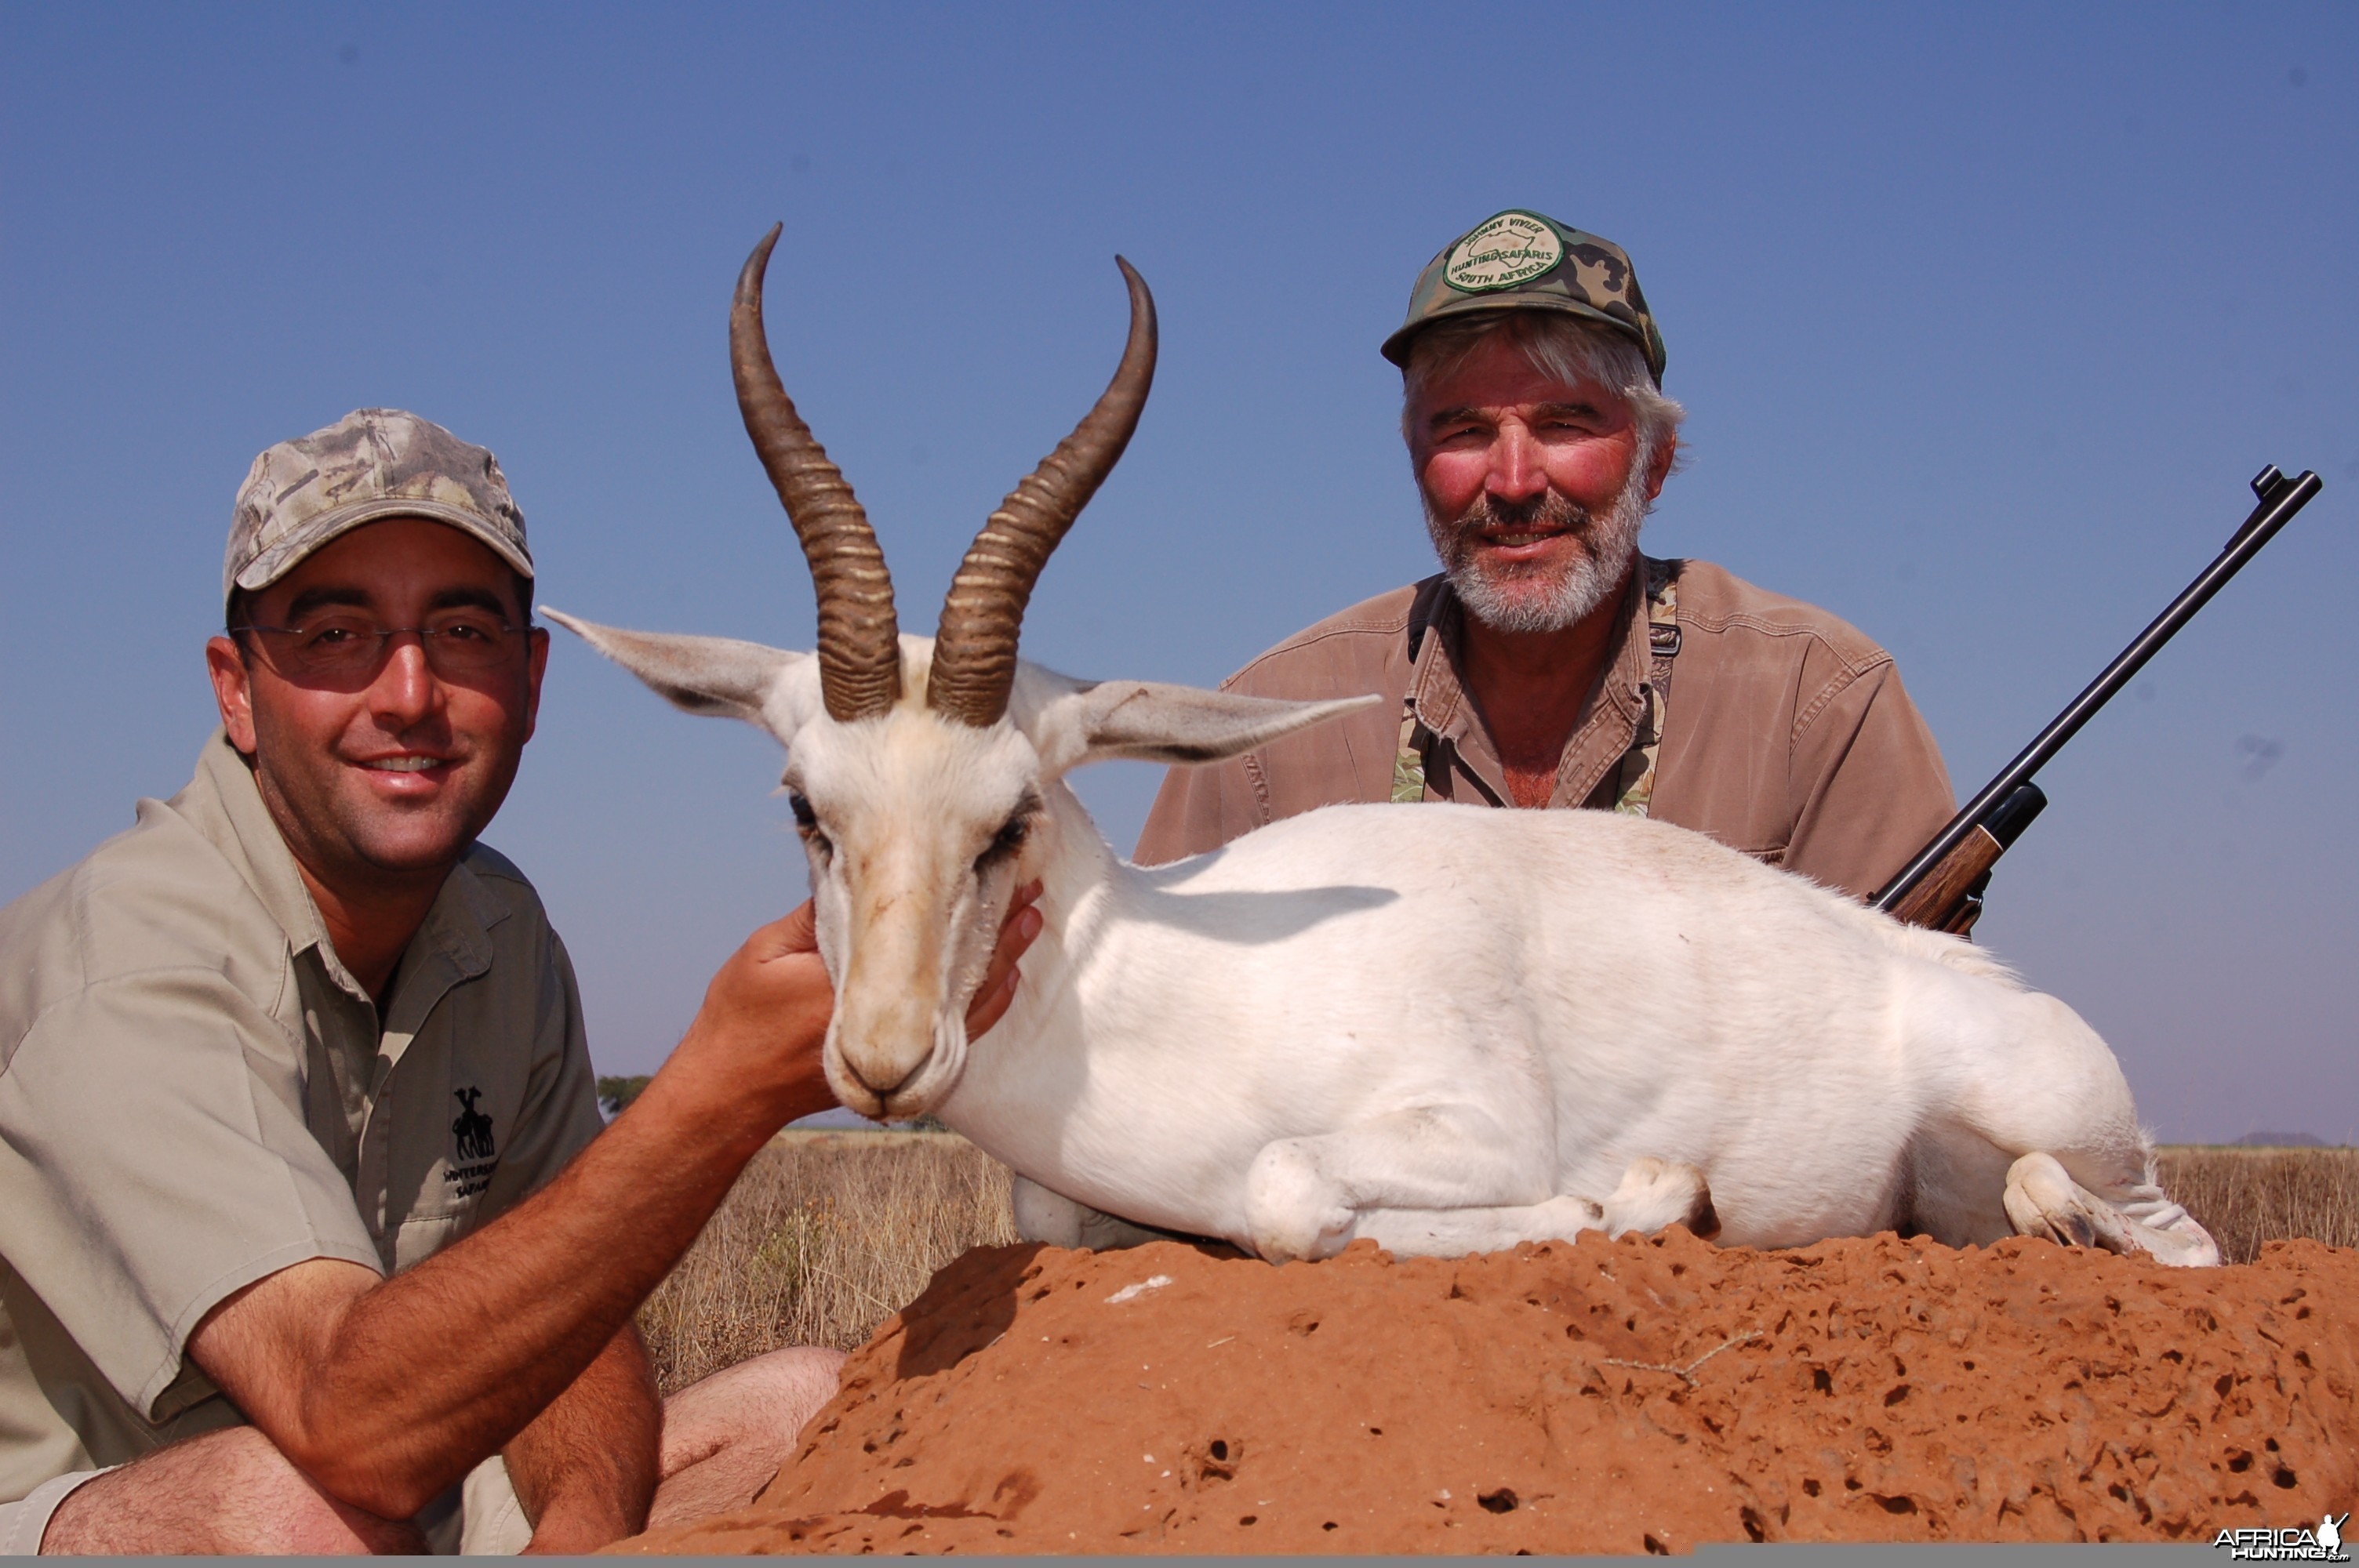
{"x":807,"y":824}
{"x":1006,"y":842}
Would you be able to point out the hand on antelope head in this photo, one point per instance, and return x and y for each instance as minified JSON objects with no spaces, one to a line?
{"x":924,"y":832}
{"x":757,"y":1044}
{"x":919,"y":772}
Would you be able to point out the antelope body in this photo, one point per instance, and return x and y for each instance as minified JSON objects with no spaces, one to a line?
{"x":1445,"y":1028}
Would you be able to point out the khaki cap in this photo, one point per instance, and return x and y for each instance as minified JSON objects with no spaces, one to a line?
{"x":1520,"y":260}
{"x":372,"y":464}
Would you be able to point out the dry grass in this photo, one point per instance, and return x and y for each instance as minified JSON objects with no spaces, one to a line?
{"x":2246,"y":1196}
{"x":827,"y":1234}
{"x":824,"y":1236}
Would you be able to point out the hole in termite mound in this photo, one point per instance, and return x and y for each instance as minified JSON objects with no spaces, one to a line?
{"x":1502,"y":1501}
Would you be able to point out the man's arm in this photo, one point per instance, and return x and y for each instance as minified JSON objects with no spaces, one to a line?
{"x":386,"y":1391}
{"x":585,"y":1468}
{"x":1869,"y":786}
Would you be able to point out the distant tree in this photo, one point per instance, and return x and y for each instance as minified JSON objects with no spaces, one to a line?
{"x":928,"y":1123}
{"x":614,"y":1095}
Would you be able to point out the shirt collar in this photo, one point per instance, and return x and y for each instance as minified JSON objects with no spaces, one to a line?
{"x":1438,"y":697}
{"x":226,"y":804}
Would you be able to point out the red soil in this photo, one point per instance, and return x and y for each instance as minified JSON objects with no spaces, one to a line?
{"x":1640,"y":1395}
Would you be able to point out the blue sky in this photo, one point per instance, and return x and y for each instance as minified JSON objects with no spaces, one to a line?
{"x":1984,"y":316}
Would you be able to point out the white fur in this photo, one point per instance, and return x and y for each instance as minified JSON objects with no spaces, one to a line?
{"x":1447,"y":1028}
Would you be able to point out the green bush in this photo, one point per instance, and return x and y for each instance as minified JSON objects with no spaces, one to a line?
{"x":614,"y":1095}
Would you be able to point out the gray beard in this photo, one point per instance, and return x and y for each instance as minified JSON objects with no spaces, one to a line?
{"x":1535,"y":597}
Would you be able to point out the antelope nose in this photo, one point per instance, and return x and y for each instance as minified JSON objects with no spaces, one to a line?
{"x":871,"y":1080}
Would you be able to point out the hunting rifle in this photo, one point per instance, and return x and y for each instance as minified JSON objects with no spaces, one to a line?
{"x":1943,"y":886}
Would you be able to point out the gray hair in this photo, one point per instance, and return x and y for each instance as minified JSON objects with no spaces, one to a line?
{"x":1558,"y":344}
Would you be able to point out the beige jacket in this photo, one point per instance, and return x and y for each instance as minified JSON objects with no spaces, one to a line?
{"x":1786,"y":733}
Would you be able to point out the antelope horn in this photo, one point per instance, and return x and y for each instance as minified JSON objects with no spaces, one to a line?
{"x":859,"y":643}
{"x":974,"y":654}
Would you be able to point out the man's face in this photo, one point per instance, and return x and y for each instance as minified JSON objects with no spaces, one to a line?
{"x":389,"y":771}
{"x":1530,"y":485}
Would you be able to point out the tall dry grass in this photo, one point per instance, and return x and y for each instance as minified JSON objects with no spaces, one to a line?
{"x":2246,"y":1196}
{"x":828,"y":1235}
{"x":824,"y":1236}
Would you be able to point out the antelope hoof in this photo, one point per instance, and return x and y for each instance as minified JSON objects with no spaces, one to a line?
{"x":1291,"y":1210}
{"x":2042,"y":1199}
{"x":1655,"y":1194}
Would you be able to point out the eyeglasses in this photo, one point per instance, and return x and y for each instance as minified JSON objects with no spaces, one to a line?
{"x":346,"y":647}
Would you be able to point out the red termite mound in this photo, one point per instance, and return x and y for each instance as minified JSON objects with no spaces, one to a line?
{"x":1643,"y":1395}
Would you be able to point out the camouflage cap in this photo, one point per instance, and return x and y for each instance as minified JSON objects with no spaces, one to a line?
{"x":372,"y":464}
{"x":1524,"y":261}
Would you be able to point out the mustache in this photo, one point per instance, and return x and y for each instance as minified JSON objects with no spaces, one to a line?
{"x":1550,"y":509}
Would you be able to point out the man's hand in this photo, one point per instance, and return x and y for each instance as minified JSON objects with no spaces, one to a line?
{"x":757,"y":1039}
{"x":997,"y":992}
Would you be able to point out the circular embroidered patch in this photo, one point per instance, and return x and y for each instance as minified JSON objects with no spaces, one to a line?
{"x":1512,"y":248}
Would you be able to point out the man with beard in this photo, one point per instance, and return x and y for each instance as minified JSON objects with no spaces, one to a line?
{"x":1551,"y":663}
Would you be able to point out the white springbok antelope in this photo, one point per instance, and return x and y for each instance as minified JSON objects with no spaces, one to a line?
{"x":1442,"y":1027}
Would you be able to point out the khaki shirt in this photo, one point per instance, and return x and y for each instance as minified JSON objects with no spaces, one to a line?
{"x":1786,"y":732}
{"x":194,"y":1092}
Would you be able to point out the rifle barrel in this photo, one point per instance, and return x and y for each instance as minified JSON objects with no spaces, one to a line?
{"x":2279,"y":500}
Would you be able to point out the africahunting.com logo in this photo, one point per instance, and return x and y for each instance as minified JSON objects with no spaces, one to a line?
{"x":2299,"y":1544}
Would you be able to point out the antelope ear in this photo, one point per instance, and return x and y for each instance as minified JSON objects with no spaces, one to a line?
{"x":1179,"y":725}
{"x":701,"y":675}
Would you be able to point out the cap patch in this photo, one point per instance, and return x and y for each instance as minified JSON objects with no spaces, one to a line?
{"x":1512,"y":248}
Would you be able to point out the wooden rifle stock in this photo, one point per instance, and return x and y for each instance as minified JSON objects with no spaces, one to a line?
{"x":1949,"y":897}
{"x":1941,"y":886}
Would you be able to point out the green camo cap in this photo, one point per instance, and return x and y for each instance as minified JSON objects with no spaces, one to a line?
{"x":373,"y":464}
{"x":1520,"y":260}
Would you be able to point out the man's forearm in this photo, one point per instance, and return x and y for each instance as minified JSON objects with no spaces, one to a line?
{"x":408,"y":1382}
{"x":537,"y":1295}
{"x":585,"y":1468}
{"x":385,"y":1392}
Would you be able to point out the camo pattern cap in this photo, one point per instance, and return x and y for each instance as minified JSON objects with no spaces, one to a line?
{"x":372,"y":464}
{"x":1520,"y":260}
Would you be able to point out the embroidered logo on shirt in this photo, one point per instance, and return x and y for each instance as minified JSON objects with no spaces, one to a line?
{"x":473,"y":1129}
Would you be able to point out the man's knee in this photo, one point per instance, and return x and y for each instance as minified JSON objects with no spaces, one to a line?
{"x":725,"y":1437}
{"x":766,"y":1400}
{"x":227,"y":1491}
{"x":793,"y":1384}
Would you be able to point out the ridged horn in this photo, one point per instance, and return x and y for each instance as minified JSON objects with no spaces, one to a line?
{"x":859,"y":642}
{"x":974,"y":654}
